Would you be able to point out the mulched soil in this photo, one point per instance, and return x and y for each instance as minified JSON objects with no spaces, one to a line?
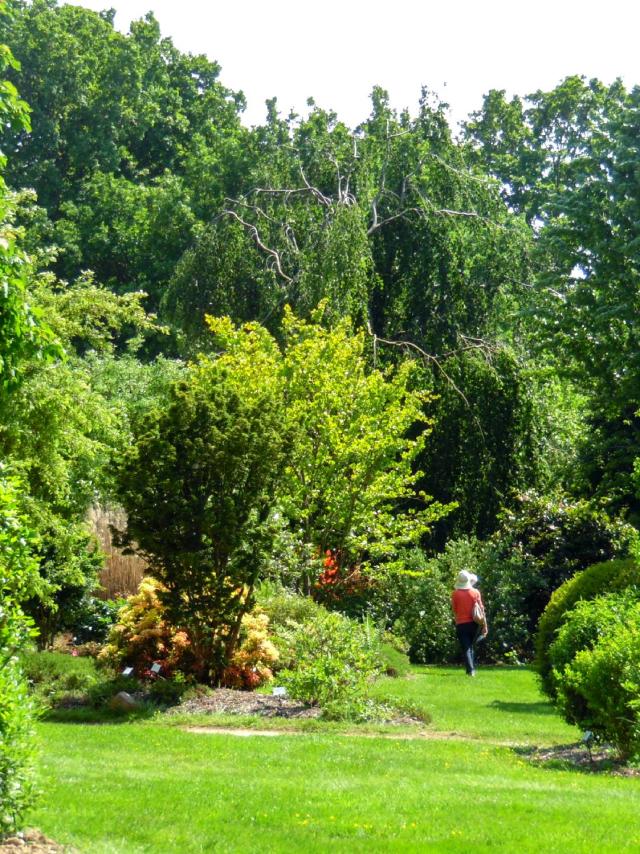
{"x":32,"y":841}
{"x":246,"y":703}
{"x":230,"y":701}
{"x":601,"y":760}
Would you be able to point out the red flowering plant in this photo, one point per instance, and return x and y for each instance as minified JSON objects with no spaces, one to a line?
{"x":343,"y":587}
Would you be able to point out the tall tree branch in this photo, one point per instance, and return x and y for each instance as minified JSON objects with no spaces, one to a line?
{"x":253,"y":231}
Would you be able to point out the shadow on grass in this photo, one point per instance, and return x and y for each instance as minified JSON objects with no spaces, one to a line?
{"x":89,"y":715}
{"x":539,"y":707}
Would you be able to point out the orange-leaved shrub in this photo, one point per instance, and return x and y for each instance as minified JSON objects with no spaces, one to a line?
{"x":142,"y":635}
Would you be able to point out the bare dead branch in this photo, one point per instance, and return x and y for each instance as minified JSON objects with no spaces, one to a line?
{"x":255,"y":208}
{"x":314,"y":191}
{"x":276,"y":261}
{"x":464,"y":173}
{"x":434,"y":360}
{"x":449,"y":212}
{"x":378,"y":224}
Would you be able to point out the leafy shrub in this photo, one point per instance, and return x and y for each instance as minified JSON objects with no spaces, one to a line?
{"x":504,"y":585}
{"x":600,"y":689}
{"x":541,"y":542}
{"x":335,"y":658}
{"x":56,"y":678}
{"x":168,"y":692}
{"x":69,"y":563}
{"x":283,"y":606}
{"x":53,"y":675}
{"x":289,"y":612}
{"x":599,"y":578}
{"x":585,"y":625}
{"x":16,"y":748}
{"x":421,"y":602}
{"x":252,"y":662}
{"x":18,"y":579}
{"x":143,"y":635}
{"x":99,"y":694}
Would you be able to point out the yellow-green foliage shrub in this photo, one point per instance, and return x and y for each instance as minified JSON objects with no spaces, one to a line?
{"x":253,"y":661}
{"x":143,"y":636}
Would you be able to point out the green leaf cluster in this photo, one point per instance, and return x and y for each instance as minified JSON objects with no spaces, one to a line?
{"x":18,"y":579}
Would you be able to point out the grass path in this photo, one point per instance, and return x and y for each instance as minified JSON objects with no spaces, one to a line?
{"x":149,"y":787}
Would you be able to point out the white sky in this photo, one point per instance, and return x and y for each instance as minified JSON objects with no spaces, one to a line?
{"x":337,"y":51}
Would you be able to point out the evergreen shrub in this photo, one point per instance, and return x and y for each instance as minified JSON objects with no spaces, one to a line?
{"x":600,"y":688}
{"x":615,"y":575}
{"x":585,"y":625}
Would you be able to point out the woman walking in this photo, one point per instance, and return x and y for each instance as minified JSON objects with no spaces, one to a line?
{"x":465,"y":600}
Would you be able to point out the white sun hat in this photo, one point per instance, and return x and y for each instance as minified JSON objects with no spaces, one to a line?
{"x":466,"y":580}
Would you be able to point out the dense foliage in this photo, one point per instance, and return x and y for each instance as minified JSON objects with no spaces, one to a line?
{"x":584,"y":626}
{"x":541,"y":542}
{"x":200,"y":512}
{"x":377,"y":356}
{"x":567,"y":159}
{"x":417,"y":604}
{"x":17,"y":580}
{"x":617,"y":575}
{"x":334,"y":662}
{"x":595,"y":662}
{"x":255,"y":439}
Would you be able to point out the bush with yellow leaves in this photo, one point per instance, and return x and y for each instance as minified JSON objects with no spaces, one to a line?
{"x":252,"y":662}
{"x":142,"y":636}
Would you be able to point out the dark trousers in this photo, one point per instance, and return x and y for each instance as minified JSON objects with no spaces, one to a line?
{"x":467,"y":634}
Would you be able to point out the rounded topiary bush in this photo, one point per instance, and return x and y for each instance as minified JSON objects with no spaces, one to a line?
{"x":600,"y":688}
{"x":614,"y":575}
{"x":585,"y":625}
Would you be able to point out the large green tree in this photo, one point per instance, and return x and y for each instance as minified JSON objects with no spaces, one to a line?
{"x":389,"y":225}
{"x":568,"y":159}
{"x":132,"y":141}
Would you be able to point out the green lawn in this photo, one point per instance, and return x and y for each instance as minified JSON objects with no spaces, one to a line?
{"x":147,"y":787}
{"x":500,"y":704}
